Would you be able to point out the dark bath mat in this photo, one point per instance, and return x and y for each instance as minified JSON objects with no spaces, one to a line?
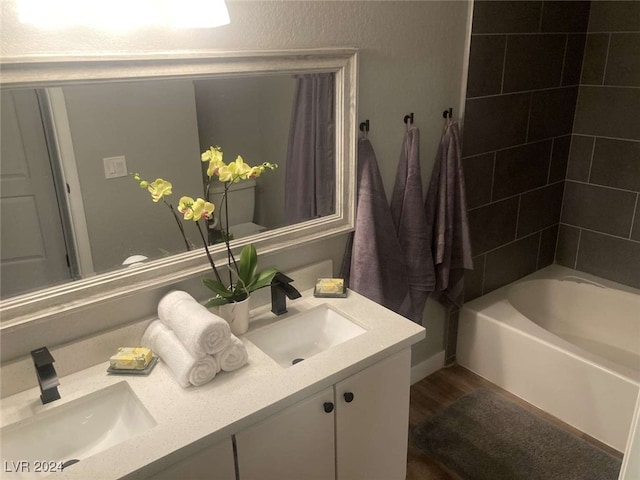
{"x":483,"y":436}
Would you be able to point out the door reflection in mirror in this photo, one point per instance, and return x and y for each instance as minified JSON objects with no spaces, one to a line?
{"x":32,"y":243}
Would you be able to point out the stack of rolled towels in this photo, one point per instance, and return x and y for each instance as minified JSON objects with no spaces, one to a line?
{"x":193,"y":342}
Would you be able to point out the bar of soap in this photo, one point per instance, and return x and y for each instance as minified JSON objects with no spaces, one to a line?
{"x":330,"y":287}
{"x":127,"y":358}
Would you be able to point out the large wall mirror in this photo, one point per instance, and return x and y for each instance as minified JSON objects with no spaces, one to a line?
{"x":76,"y":227}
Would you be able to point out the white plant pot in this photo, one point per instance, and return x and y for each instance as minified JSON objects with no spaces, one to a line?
{"x":236,"y":314}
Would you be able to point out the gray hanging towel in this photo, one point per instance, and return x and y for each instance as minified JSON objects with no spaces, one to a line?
{"x":407,"y":210}
{"x":446,"y":211}
{"x":373,"y":264}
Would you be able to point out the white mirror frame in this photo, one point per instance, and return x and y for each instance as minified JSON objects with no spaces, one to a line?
{"x":34,"y":72}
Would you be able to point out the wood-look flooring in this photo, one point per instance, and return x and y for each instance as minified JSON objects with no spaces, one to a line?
{"x":438,"y":391}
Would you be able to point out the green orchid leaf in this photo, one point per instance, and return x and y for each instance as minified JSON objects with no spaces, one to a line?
{"x":248,"y":264}
{"x":264,"y":278}
{"x":217,"y":287}
{"x":216,"y":302}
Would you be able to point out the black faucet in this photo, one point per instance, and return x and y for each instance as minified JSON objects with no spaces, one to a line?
{"x":47,"y":376}
{"x":280,"y":290}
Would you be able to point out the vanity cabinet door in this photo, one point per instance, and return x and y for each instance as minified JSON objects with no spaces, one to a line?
{"x":296,"y":443}
{"x":211,"y":463}
{"x":372,"y":421}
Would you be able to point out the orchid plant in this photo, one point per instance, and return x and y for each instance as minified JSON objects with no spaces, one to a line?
{"x":244,"y":276}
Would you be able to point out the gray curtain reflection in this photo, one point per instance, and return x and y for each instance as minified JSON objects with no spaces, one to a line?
{"x":310,"y":168}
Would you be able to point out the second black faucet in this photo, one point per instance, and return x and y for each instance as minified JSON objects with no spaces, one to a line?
{"x":281,"y":289}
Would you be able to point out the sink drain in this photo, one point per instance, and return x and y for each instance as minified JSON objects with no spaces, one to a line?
{"x":296,"y":360}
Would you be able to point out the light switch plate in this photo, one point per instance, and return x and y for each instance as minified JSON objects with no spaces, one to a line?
{"x":115,"y":167}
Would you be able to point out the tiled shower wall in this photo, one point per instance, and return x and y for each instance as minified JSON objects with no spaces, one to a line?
{"x":524,"y":72}
{"x":600,"y":220}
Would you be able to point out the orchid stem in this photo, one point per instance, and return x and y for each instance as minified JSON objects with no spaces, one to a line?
{"x":206,"y":249}
{"x":230,"y":257}
{"x":175,"y":216}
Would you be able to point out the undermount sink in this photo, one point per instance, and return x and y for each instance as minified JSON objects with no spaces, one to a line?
{"x":305,"y":334}
{"x":73,"y":431}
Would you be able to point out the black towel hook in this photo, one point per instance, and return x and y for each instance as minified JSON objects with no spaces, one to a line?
{"x":364,"y":126}
{"x":448,"y":113}
{"x":408,"y":118}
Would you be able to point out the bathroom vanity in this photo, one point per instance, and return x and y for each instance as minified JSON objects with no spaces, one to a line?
{"x":340,"y":413}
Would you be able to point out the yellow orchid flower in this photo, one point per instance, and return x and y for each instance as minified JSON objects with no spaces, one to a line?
{"x":242,"y":169}
{"x":213,"y":167}
{"x":227,"y":173}
{"x":202,"y":209}
{"x":213,"y":154}
{"x":214,"y":157}
{"x":159,"y":188}
{"x":185,"y":207}
{"x":235,"y":171}
{"x":195,"y":209}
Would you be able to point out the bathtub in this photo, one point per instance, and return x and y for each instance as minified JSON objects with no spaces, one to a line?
{"x":564,"y":341}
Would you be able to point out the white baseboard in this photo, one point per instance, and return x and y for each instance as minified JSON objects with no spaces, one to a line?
{"x":427,"y":367}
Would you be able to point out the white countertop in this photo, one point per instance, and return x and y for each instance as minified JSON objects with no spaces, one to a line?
{"x":189,"y":419}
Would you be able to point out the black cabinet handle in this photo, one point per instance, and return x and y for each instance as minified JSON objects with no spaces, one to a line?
{"x":348,"y":397}
{"x":328,"y":407}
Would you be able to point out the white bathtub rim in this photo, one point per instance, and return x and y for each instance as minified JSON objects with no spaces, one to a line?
{"x":559,"y":344}
{"x":495,"y":305}
{"x":558,"y":272}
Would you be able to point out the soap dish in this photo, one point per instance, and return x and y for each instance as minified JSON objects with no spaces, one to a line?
{"x":330,"y":288}
{"x":145,"y":371}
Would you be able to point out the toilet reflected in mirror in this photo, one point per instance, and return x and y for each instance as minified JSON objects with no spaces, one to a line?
{"x":241,"y":199}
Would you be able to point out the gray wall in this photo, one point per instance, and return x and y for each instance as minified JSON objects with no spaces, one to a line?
{"x":412,"y":59}
{"x":600,"y":223}
{"x":153,"y":124}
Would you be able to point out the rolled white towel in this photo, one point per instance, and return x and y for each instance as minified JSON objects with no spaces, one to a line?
{"x":202,"y":332}
{"x":187,"y":369}
{"x":233,"y":356}
{"x":204,"y":370}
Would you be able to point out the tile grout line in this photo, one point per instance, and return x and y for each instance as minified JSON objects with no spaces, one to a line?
{"x":618,"y":189}
{"x":484,"y":271}
{"x":538,"y":252}
{"x":504,"y":63}
{"x":553,"y":144}
{"x":633,"y":216}
{"x":575,"y":260}
{"x":564,"y":60}
{"x":547,"y":89}
{"x":606,"y":60}
{"x":493,"y":175}
{"x":494,"y":34}
{"x":548,"y":139}
{"x":564,"y":192}
{"x":601,"y":136}
{"x":518,"y":217}
{"x":526,"y":138}
{"x":584,"y":56}
{"x":593,"y":149}
{"x":518,"y":194}
{"x":590,"y":230}
{"x":511,"y":242}
{"x":541,"y":17}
